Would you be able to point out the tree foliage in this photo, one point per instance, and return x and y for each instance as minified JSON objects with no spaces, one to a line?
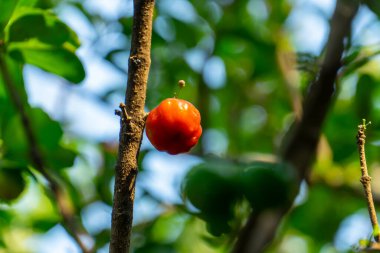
{"x":248,"y":79}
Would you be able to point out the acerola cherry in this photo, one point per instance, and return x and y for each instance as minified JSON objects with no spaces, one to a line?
{"x":174,"y":126}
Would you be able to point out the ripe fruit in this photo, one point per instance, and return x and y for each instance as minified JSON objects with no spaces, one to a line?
{"x":174,"y":126}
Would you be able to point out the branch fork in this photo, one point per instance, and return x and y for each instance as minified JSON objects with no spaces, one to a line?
{"x":123,"y":113}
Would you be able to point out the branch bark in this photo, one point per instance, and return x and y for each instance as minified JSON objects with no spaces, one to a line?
{"x":300,"y":144}
{"x":131,"y":130}
{"x":71,"y":226}
{"x":366,"y":181}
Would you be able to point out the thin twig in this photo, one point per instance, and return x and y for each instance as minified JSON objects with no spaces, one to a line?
{"x":37,"y":159}
{"x":131,"y":130}
{"x":299,"y":146}
{"x":124,"y":111}
{"x":366,"y":180}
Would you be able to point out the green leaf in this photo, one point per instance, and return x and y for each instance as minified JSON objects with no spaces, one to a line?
{"x":42,"y":25}
{"x":12,"y":184}
{"x":268,"y":185}
{"x":45,"y":224}
{"x":151,"y":247}
{"x":373,"y":5}
{"x":7,"y":111}
{"x":6,"y":218}
{"x":48,"y":131}
{"x":48,"y":134}
{"x":60,"y":158}
{"x":38,"y":37}
{"x":376,"y":230}
{"x":15,"y":144}
{"x":6,"y":7}
{"x":168,"y":227}
{"x":322,"y":206}
{"x":27,"y":3}
{"x":355,"y":65}
{"x":211,"y":188}
{"x":102,"y":238}
{"x":61,"y":61}
{"x":365,"y":91}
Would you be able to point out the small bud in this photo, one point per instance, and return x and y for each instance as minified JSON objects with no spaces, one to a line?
{"x":181,"y":83}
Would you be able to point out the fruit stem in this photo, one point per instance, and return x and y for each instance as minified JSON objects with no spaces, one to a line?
{"x":181,"y":85}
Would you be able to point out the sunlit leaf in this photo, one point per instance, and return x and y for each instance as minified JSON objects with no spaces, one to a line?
{"x":41,"y":25}
{"x":38,"y":37}
{"x":6,"y":7}
{"x":27,"y":3}
{"x":61,"y":61}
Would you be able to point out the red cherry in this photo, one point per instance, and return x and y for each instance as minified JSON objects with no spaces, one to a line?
{"x":174,"y":126}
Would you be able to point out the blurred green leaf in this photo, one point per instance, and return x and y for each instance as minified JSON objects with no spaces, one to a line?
{"x":6,"y":7}
{"x":26,"y":3}
{"x":268,"y":185}
{"x":106,"y":171}
{"x":15,"y":145}
{"x":48,"y":131}
{"x":188,"y":34}
{"x":44,"y":26}
{"x":150,"y":247}
{"x":60,"y":158}
{"x":168,"y":227}
{"x":243,"y":50}
{"x":352,"y":55}
{"x":44,"y":224}
{"x":340,"y":130}
{"x":365,"y":90}
{"x":48,"y":136}
{"x":12,"y":184}
{"x":216,"y":186}
{"x":5,"y":217}
{"x":61,"y":61}
{"x":2,"y":243}
{"x":373,"y":5}
{"x":102,"y":238}
{"x":7,"y":108}
{"x":355,"y":65}
{"x":321,"y":206}
{"x":211,"y":188}
{"x":38,"y":37}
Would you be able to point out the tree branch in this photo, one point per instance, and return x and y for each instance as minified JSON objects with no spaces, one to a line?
{"x":299,"y":148}
{"x":37,"y":159}
{"x":131,"y":130}
{"x":366,"y":180}
{"x":300,"y":145}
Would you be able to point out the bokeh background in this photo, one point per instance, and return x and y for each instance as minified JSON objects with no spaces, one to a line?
{"x":247,"y":65}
